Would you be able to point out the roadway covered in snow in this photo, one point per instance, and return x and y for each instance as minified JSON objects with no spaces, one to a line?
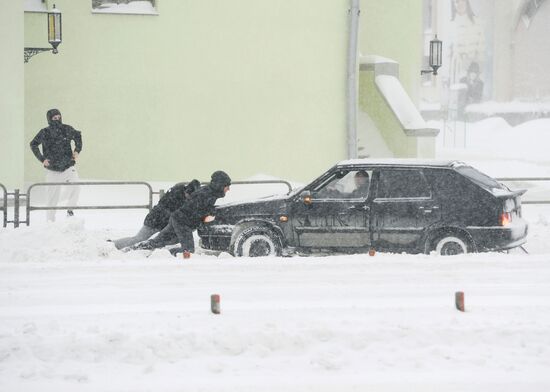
{"x":76,"y":314}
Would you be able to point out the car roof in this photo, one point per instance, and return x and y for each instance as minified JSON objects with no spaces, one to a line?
{"x":400,"y":162}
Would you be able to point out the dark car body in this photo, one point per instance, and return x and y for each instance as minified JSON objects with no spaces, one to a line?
{"x":405,"y":206}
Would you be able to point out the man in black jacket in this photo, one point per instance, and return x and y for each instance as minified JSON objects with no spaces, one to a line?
{"x":158,"y":217}
{"x":58,"y":158}
{"x":198,"y":209}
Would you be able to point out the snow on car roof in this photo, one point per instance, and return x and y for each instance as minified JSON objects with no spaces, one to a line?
{"x":400,"y":162}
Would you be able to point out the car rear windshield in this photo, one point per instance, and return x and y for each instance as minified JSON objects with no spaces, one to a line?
{"x":479,"y":178}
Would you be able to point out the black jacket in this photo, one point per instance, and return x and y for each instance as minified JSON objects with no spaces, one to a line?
{"x":200,"y":204}
{"x":172,"y":200}
{"x":56,"y":144}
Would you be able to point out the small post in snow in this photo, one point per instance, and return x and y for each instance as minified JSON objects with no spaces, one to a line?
{"x":459,"y":300}
{"x":215,"y":303}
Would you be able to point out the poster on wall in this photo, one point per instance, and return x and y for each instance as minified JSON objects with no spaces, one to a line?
{"x":466,"y":29}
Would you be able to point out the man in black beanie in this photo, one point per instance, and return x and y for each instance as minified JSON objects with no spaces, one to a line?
{"x":198,"y":209}
{"x":58,"y":158}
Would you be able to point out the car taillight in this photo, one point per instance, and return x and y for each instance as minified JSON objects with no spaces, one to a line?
{"x":505,"y":218}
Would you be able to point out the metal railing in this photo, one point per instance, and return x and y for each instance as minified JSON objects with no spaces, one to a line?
{"x":527,"y":179}
{"x":4,"y":206}
{"x":262,"y":182}
{"x":30,"y":207}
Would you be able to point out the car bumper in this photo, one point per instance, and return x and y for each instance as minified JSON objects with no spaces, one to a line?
{"x":211,"y":242}
{"x":216,"y":237}
{"x":499,"y":238}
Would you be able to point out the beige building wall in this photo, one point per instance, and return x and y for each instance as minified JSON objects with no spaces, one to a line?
{"x":11,"y":94}
{"x":504,"y":30}
{"x":531,"y":56}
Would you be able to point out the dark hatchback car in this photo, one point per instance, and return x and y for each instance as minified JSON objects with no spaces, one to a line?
{"x":389,"y":205}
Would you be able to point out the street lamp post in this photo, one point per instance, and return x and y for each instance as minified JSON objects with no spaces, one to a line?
{"x":54,"y":35}
{"x":436,"y":51}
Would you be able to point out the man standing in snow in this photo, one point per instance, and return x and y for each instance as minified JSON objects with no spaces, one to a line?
{"x":58,"y":158}
{"x":199,"y":208}
{"x":159,"y":217}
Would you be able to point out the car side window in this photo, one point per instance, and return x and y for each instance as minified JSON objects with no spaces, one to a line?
{"x":354,"y":184}
{"x":402,"y":183}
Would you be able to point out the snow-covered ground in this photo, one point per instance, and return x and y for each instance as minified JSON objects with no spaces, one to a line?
{"x":90,"y":319}
{"x":76,"y":314}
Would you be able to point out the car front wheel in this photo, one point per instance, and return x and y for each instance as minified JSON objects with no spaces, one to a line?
{"x":257,"y":241}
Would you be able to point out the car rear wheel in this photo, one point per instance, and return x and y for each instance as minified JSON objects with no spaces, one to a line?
{"x":451,"y":245}
{"x":257,"y":241}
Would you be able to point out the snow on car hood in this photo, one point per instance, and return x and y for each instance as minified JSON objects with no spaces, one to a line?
{"x":266,"y":205}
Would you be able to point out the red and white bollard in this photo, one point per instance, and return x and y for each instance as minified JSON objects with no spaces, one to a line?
{"x":215,"y":303}
{"x":459,"y":300}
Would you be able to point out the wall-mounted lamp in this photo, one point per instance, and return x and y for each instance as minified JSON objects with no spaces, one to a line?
{"x":436,"y":51}
{"x":54,"y":35}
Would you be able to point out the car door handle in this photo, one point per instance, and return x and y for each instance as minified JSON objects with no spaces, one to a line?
{"x":359,"y":208}
{"x":428,"y":210}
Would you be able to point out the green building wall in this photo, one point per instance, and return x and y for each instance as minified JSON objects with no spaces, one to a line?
{"x":372,"y":102}
{"x":392,"y":29}
{"x":246,"y":86}
{"x":11,"y":95}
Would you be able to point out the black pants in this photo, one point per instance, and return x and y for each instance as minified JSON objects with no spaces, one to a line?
{"x":173,"y":233}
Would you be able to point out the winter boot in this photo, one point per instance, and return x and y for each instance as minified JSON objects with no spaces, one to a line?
{"x":175,"y":251}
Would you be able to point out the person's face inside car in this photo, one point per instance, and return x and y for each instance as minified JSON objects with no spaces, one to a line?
{"x":361,"y":180}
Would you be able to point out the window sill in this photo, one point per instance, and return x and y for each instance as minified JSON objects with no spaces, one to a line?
{"x":111,"y":12}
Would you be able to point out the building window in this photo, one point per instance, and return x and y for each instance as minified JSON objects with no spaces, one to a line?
{"x":35,"y":6}
{"x":140,"y":7}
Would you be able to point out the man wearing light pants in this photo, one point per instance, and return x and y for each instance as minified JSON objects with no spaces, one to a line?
{"x":58,"y":158}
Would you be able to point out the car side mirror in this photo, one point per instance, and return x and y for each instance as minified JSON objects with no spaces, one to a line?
{"x":306,"y":197}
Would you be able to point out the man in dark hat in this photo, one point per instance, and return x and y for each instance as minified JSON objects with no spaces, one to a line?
{"x":197,"y":209}
{"x":361,"y":180}
{"x":472,"y":91}
{"x":159,"y":216}
{"x":58,"y":158}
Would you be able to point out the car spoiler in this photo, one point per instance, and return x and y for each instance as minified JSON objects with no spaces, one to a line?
{"x":509,"y":194}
